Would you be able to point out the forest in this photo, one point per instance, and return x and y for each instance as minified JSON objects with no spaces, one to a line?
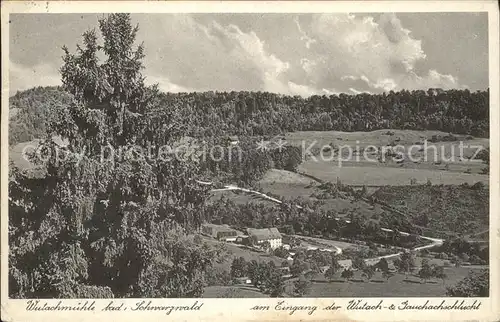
{"x":216,"y":114}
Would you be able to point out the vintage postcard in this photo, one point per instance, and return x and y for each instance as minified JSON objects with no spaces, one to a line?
{"x":250,"y":161}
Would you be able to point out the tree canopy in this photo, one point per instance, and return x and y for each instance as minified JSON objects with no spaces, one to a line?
{"x":90,"y":228}
{"x":476,"y":283}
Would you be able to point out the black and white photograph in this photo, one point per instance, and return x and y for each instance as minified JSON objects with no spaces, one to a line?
{"x":216,"y":155}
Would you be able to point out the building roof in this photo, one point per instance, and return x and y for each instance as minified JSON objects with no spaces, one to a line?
{"x":264,"y":233}
{"x":214,"y":225}
{"x":345,"y":262}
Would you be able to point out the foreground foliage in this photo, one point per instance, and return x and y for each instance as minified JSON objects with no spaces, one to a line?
{"x":106,"y":229}
{"x":477,"y":283}
{"x":457,"y":209}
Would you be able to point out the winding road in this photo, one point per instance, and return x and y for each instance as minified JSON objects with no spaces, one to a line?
{"x":338,"y":250}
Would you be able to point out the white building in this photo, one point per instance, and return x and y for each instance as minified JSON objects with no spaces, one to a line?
{"x":271,"y":235}
{"x":345,"y":263}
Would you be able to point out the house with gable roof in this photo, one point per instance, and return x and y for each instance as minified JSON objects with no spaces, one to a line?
{"x":271,"y":235}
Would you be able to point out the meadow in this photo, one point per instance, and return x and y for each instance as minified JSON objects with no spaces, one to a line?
{"x":445,"y":162}
{"x":396,"y":286}
{"x":381,"y":176}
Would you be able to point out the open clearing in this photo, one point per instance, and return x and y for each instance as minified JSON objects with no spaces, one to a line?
{"x":377,"y":138}
{"x":395,"y":287}
{"x":443,"y":163}
{"x":284,"y":176}
{"x":287,"y":184}
{"x":381,"y":176}
{"x":338,"y":287}
{"x":234,"y":252}
{"x":323,"y":243}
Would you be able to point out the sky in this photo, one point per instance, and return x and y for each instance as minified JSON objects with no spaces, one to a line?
{"x":294,"y":54}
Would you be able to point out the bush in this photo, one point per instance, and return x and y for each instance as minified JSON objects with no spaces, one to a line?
{"x":476,"y":260}
{"x":484,"y":155}
{"x":281,"y":252}
{"x":435,"y":138}
{"x":217,"y":276}
{"x":450,"y":137}
{"x":197,"y":239}
{"x":464,"y":257}
{"x":475,"y":284}
{"x":478,"y":186}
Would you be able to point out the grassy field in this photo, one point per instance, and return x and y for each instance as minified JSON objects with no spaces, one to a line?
{"x":18,"y":158}
{"x":380,"y":176}
{"x":323,"y":243}
{"x":442,"y":165}
{"x":377,"y":138}
{"x":466,"y":166}
{"x":395,"y":287}
{"x":286,"y":184}
{"x":17,"y":152}
{"x":284,"y":177}
{"x":232,"y":292}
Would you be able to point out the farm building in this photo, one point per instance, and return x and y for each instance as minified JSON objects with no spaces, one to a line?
{"x":345,"y":264}
{"x":243,"y":239}
{"x":243,"y":280}
{"x":271,"y":235}
{"x":220,"y":232}
{"x":233,"y":140}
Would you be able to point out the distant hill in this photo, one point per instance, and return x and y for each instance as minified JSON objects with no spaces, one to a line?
{"x":262,"y":113}
{"x":30,"y":110}
{"x":461,"y":209}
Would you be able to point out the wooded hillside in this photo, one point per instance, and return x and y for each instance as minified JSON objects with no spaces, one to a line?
{"x":259,"y":113}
